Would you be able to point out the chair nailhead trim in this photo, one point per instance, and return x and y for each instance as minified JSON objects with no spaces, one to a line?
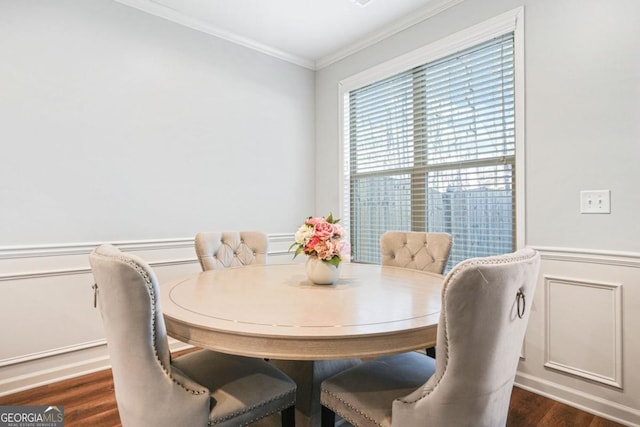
{"x":245,"y":410}
{"x":354,"y":409}
{"x":152,"y":297}
{"x":498,"y":259}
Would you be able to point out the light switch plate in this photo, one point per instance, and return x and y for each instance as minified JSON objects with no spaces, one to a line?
{"x":595,"y":202}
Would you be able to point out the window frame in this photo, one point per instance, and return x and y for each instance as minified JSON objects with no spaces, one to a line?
{"x":512,"y":21}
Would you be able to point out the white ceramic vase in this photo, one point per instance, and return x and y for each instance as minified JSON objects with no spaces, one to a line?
{"x":320,"y":272}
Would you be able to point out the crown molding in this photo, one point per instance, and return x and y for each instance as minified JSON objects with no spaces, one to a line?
{"x":432,"y":9}
{"x":149,"y":6}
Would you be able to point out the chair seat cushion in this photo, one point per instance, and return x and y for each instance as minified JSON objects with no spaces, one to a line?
{"x":243,"y":389}
{"x":364,"y":395}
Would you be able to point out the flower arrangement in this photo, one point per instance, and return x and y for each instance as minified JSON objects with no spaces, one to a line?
{"x":323,"y":238}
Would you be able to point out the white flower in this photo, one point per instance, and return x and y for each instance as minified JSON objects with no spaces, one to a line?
{"x":303,"y":234}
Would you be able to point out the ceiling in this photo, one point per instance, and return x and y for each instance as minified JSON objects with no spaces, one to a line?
{"x":310,"y":33}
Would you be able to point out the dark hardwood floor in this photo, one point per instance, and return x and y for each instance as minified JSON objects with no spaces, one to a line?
{"x":90,"y":401}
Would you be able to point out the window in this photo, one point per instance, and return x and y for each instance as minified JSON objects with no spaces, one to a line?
{"x":433,"y":148}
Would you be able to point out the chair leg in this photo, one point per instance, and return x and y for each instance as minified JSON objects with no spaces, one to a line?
{"x":289,"y":417}
{"x":327,"y":417}
{"x":431,"y":352}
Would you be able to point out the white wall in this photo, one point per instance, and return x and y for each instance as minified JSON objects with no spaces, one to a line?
{"x":118,"y":126}
{"x":582,"y":105}
{"x":582,"y":132}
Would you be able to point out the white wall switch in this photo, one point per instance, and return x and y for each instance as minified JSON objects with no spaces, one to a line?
{"x":595,"y":201}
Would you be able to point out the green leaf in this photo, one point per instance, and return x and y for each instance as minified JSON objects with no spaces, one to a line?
{"x":330,"y":218}
{"x":334,"y":261}
{"x":298,"y":249}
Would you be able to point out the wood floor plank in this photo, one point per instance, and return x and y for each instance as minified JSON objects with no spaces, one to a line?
{"x":527,"y":409}
{"x":601,"y":422}
{"x":566,"y":416}
{"x":89,"y":400}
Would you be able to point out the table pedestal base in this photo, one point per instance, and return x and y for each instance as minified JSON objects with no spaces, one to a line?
{"x":308,"y":375}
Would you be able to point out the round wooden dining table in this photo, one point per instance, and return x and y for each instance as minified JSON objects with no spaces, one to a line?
{"x":309,"y":331}
{"x":274,"y":311}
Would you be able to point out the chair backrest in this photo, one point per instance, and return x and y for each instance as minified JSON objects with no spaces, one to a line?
{"x":127,"y":292}
{"x":217,"y":250}
{"x":486,"y":303}
{"x":416,"y":250}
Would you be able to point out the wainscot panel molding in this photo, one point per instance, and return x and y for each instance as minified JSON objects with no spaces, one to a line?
{"x":577,"y":314}
{"x":279,"y":244}
{"x":50,"y":330}
{"x":48,"y":326}
{"x":581,"y":341}
{"x":52,"y":250}
{"x":72,"y":258}
{"x":591,"y":256}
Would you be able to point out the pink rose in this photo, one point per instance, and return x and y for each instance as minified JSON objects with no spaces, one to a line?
{"x":324,"y":230}
{"x":311,"y":244}
{"x":315,"y":220}
{"x":325,"y":250}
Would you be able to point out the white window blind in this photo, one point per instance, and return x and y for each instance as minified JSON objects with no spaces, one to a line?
{"x":433,"y":149}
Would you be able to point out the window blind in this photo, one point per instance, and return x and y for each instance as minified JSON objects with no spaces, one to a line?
{"x":433,"y":149}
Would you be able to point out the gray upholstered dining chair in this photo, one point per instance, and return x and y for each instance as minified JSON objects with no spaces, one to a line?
{"x":416,"y":250}
{"x":486,"y":303}
{"x":231,"y":249}
{"x":197,"y":389}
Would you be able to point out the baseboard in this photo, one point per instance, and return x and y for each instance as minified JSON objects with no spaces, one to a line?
{"x":603,"y":408}
{"x":42,"y":369}
{"x":34,"y":370}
